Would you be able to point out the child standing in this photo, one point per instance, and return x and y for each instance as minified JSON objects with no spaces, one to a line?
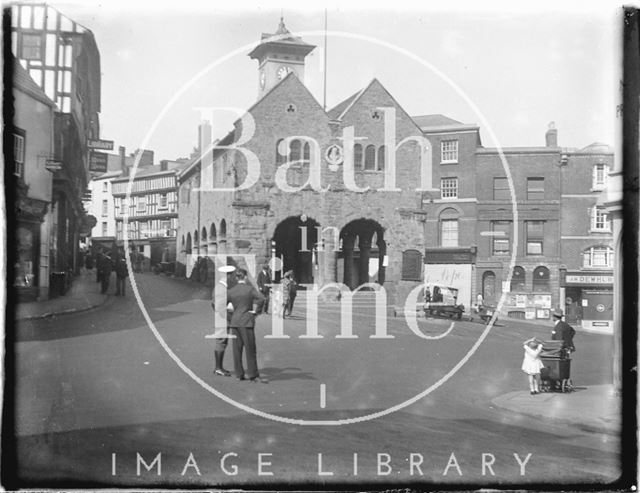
{"x":532,"y":364}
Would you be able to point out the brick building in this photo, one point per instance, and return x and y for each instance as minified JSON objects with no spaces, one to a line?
{"x":586,"y":277}
{"x":334,"y":235}
{"x":449,"y":216}
{"x":62,"y":57}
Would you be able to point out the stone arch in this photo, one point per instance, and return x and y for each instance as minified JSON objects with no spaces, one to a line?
{"x":294,"y":241}
{"x":357,"y":264}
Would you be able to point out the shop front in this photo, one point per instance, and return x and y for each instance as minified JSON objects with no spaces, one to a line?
{"x":588,"y":298}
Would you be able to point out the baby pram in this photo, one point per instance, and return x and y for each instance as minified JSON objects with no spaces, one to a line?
{"x":556,"y":374}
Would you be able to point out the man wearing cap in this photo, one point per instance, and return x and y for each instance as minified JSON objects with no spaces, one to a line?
{"x":562,"y":331}
{"x":243,"y":296}
{"x":219,"y":304}
{"x":264,"y":282}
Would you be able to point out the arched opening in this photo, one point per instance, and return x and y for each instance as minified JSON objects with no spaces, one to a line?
{"x":196,"y":242}
{"x":448,"y":227}
{"x":541,"y":280}
{"x":294,"y":242}
{"x":222,"y":237}
{"x":362,"y":255}
{"x":187,"y":249}
{"x":489,"y":287}
{"x":518,"y":279}
{"x":213,"y":239}
{"x":204,"y":247}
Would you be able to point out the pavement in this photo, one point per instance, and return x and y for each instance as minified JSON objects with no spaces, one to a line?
{"x":84,"y":294}
{"x":595,"y":408}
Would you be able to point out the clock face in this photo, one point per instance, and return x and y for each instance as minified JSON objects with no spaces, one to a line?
{"x":282,"y":72}
{"x":263,"y":79}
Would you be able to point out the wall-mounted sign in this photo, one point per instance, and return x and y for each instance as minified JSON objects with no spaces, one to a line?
{"x":52,"y":165}
{"x":588,"y":279}
{"x":98,"y":161}
{"x":105,"y":145}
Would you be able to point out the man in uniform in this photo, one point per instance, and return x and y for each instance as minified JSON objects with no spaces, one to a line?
{"x":242,"y":297}
{"x":219,"y":305}
{"x":562,"y":331}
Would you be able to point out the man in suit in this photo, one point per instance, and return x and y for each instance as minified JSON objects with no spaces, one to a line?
{"x":242,"y":297}
{"x":263,"y":281}
{"x":562,"y":331}
{"x":219,"y":304}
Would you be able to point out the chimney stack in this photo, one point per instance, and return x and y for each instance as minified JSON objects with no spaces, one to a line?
{"x":123,"y":161}
{"x":552,"y":135}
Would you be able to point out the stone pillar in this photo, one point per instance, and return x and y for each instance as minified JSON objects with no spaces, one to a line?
{"x":347,"y":248}
{"x":363,"y":263}
{"x":382,"y":271}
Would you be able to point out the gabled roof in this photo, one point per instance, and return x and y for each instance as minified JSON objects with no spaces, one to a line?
{"x":437,"y":120}
{"x":335,"y":112}
{"x":23,"y":82}
{"x":229,"y":137}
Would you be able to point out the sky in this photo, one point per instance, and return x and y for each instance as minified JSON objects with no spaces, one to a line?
{"x":510,"y":70}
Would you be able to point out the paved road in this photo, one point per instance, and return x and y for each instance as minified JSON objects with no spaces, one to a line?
{"x":99,"y":383}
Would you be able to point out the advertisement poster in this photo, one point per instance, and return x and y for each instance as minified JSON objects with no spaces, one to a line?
{"x":451,"y":275}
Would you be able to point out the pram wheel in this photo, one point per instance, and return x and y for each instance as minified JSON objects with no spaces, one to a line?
{"x":567,"y":385}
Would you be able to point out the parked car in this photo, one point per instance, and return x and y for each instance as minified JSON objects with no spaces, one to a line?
{"x":442,"y":301}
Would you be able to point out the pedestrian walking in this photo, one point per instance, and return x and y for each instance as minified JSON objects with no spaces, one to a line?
{"x":562,"y":331}
{"x":242,"y":297}
{"x":532,"y":364}
{"x":99,"y":266}
{"x":122,"y":272}
{"x":293,"y":291}
{"x":105,"y":276}
{"x":286,"y":291}
{"x":264,"y":286}
{"x":220,"y":305}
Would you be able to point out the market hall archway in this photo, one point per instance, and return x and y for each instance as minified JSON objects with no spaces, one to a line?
{"x":294,"y":242}
{"x":362,"y":253}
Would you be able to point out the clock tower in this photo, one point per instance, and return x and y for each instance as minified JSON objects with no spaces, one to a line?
{"x":279,"y":54}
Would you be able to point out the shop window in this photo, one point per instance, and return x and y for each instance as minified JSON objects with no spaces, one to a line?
{"x":535,"y":237}
{"x":501,"y":237}
{"x":535,"y":188}
{"x":449,"y":188}
{"x":411,"y":265}
{"x":449,"y":151}
{"x":501,"y":189}
{"x":518,"y":279}
{"x":541,"y":280}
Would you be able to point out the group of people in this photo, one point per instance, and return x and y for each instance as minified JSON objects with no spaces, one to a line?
{"x":242,"y":303}
{"x":106,"y":264}
{"x":284,"y":294}
{"x":532,"y":363}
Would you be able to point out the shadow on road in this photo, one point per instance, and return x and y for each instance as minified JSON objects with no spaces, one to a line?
{"x":288,"y":373}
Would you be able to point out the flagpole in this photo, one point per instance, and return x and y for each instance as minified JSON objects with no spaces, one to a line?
{"x":324,"y":99}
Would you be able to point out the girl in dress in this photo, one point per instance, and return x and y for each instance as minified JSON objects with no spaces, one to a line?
{"x":532,"y":364}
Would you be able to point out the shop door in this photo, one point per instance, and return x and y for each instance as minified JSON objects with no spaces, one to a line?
{"x":573,"y":306}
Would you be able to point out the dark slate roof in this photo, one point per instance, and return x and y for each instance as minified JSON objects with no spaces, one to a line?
{"x":436,"y":120}
{"x":336,"y":111}
{"x":23,"y":81}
